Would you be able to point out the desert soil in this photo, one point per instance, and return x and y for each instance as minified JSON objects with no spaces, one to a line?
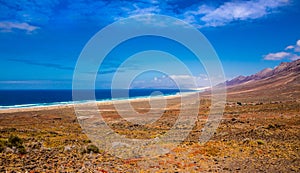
{"x":252,"y":137}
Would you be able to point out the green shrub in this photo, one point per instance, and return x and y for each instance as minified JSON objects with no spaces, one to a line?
{"x":22,"y":150}
{"x":92,"y":148}
{"x":260,"y":142}
{"x":87,"y":141}
{"x":270,"y":126}
{"x":14,"y":141}
{"x":2,"y":145}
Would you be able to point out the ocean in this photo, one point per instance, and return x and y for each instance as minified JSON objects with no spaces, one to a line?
{"x":31,"y":98}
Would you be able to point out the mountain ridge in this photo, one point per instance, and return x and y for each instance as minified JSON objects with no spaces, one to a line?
{"x":267,"y":72}
{"x":279,"y":84}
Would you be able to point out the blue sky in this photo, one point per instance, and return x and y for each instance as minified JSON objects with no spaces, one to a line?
{"x":41,"y":40}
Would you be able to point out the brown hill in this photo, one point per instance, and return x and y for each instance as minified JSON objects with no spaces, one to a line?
{"x":278,"y":84}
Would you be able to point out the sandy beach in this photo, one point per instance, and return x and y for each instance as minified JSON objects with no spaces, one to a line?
{"x":100,"y":103}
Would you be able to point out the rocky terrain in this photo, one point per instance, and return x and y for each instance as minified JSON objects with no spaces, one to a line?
{"x":251,"y":138}
{"x":283,"y":69}
{"x":281,"y":83}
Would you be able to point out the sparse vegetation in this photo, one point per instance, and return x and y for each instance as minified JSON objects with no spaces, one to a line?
{"x":14,"y":141}
{"x":22,"y":150}
{"x":273,"y":126}
{"x":87,"y":141}
{"x":249,"y":138}
{"x":260,"y":142}
{"x":92,"y":148}
{"x":2,"y":145}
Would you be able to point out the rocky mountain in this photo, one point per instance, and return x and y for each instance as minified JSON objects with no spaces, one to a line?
{"x":280,"y":83}
{"x":284,"y":67}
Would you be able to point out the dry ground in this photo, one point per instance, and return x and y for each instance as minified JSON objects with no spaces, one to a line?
{"x":252,"y":137}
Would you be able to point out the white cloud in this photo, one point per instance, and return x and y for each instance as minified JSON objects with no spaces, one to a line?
{"x":9,"y":26}
{"x":277,"y":56}
{"x":233,"y":11}
{"x":295,"y":48}
{"x":289,"y":47}
{"x":141,"y":11}
{"x":136,"y":9}
{"x":291,"y":53}
{"x":187,"y":81}
{"x":281,"y":55}
{"x":294,"y":57}
{"x":183,"y":81}
{"x":143,"y":14}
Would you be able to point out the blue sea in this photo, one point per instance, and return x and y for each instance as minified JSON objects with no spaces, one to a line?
{"x":32,"y":98}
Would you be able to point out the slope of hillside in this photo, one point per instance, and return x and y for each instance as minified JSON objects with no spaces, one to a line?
{"x":278,"y":84}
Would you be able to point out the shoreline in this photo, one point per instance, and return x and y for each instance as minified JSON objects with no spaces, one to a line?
{"x":71,"y":104}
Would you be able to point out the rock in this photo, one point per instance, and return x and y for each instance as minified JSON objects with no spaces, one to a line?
{"x":67,"y":148}
{"x":246,"y":140}
{"x":9,"y":150}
